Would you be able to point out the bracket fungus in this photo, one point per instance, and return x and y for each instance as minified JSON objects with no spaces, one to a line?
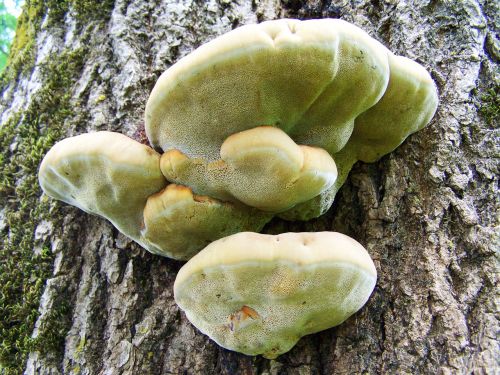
{"x":106,"y":174}
{"x":182,"y":223}
{"x":261,"y":167}
{"x":113,"y":176}
{"x":325,"y":83}
{"x":259,"y":294}
{"x":265,"y":120}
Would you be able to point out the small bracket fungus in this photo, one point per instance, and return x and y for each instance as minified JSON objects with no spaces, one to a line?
{"x":183,"y":223}
{"x":113,"y":176}
{"x":261,"y":167}
{"x":325,"y":83}
{"x":259,"y":294}
{"x":106,"y":174}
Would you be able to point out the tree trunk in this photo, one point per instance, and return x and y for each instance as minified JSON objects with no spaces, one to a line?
{"x":427,"y":213}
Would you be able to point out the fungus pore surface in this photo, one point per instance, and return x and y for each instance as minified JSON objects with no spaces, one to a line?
{"x":259,"y":294}
{"x":178,"y":223}
{"x":113,"y":176}
{"x":325,"y":83}
{"x":261,"y":167}
{"x":266,"y":119}
{"x":106,"y":174}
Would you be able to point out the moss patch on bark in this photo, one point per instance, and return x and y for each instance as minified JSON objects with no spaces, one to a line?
{"x":24,"y":140}
{"x":25,"y":262}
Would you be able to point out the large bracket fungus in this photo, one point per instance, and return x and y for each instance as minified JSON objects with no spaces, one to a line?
{"x":325,"y":83}
{"x":265,"y":120}
{"x":259,"y":294}
{"x":113,"y":176}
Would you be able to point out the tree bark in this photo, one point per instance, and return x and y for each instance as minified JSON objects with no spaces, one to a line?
{"x":427,"y":213}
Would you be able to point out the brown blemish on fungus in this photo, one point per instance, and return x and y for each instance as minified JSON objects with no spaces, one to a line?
{"x":242,"y":318}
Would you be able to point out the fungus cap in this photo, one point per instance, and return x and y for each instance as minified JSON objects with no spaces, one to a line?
{"x":106,"y":174}
{"x":113,"y":176}
{"x":326,"y":83}
{"x":178,"y":223}
{"x":258,"y":294}
{"x":408,"y":104}
{"x":309,"y":78}
{"x":261,"y":167}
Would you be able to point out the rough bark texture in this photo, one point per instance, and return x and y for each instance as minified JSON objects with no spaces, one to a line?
{"x":427,"y":213}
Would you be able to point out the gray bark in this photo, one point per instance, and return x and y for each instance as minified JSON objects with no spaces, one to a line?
{"x":427,"y":213}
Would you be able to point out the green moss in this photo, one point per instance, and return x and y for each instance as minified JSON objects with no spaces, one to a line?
{"x":53,"y":330}
{"x":489,"y":106}
{"x":34,"y":130}
{"x":81,"y":345}
{"x":22,"y":54}
{"x":21,"y":57}
{"x":85,"y":10}
{"x":22,"y":272}
{"x":57,"y":9}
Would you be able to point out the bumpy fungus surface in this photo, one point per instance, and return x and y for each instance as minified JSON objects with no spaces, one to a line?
{"x":261,"y":167}
{"x":266,"y":119}
{"x":259,"y":294}
{"x":184,"y":223}
{"x":113,"y":176}
{"x":104,"y":173}
{"x":325,"y":83}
